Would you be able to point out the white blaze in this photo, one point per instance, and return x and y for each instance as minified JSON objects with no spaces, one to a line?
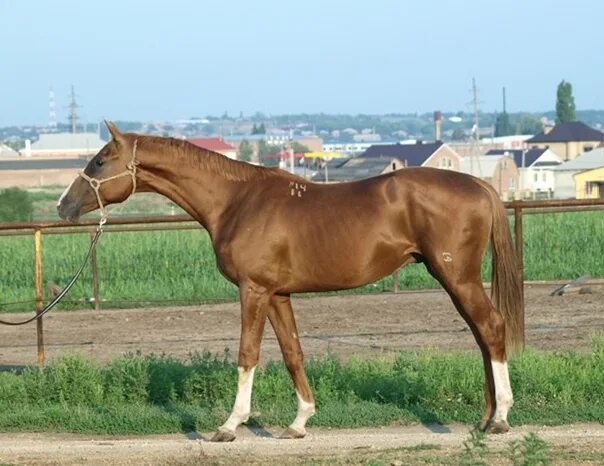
{"x":305,"y":411}
{"x":65,"y":192}
{"x":503,"y":390}
{"x":243,"y":400}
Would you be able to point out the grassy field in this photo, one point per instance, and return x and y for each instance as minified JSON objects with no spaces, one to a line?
{"x":45,"y":204}
{"x":139,"y":268}
{"x":155,"y":394}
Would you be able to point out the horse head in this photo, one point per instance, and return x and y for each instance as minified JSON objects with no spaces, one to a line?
{"x":104,"y":180}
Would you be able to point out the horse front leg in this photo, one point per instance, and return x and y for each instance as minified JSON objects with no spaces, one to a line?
{"x":254,"y":308}
{"x":282,"y":319}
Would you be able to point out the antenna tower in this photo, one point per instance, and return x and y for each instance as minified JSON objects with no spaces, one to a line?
{"x":52,"y":112}
{"x":73,"y":111}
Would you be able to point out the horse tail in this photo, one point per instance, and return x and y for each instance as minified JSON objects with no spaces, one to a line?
{"x":506,"y":286}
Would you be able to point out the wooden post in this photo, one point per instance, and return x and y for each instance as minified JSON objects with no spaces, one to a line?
{"x":95,"y":276}
{"x":395,"y":280}
{"x":519,"y":252}
{"x":39,"y":299}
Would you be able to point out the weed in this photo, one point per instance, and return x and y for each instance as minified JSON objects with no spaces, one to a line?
{"x":475,"y":449}
{"x":530,"y":451}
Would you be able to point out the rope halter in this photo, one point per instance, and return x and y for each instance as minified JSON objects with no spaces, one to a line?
{"x":96,"y":183}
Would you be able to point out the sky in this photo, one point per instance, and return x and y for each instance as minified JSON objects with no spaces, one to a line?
{"x":166,"y":60}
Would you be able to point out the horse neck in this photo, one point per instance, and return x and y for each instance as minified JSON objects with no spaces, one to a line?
{"x":196,"y":186}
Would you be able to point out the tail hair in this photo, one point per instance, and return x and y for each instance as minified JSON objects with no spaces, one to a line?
{"x":506,"y":286}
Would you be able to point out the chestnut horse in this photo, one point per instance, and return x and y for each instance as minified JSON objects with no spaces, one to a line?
{"x":275,"y":234}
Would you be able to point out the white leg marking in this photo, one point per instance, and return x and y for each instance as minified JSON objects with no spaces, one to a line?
{"x":305,"y":411}
{"x":503,"y":390}
{"x":243,"y":400}
{"x":65,"y":192}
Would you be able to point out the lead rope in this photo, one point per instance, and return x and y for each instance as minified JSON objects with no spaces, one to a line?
{"x":95,"y":184}
{"x":65,"y":290}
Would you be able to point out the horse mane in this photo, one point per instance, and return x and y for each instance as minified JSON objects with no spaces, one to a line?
{"x":183,"y":151}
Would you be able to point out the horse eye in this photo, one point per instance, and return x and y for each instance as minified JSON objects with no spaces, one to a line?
{"x":99,"y":162}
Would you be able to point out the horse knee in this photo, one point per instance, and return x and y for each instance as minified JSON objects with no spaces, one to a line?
{"x":248,"y":356}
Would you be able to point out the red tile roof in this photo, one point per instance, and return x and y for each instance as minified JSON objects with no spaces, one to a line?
{"x":213,"y":144}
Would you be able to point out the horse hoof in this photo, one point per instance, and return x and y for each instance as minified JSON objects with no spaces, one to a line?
{"x":223,"y":436}
{"x":498,"y":427}
{"x":292,"y":434}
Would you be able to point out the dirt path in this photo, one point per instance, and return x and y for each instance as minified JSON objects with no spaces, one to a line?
{"x":261,"y":448}
{"x":351,"y":324}
{"x":363,"y":325}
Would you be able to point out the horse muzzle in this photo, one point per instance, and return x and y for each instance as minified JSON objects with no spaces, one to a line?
{"x":69,"y":211}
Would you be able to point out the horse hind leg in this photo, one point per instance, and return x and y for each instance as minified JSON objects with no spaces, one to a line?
{"x":281,"y":317}
{"x":487,"y":325}
{"x":488,"y":328}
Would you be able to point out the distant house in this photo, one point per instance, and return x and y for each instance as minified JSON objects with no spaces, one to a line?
{"x":54,"y":159}
{"x":6,"y":151}
{"x":589,"y":184}
{"x":568,"y":140}
{"x":358,"y":168}
{"x":64,"y":145}
{"x":432,"y":154}
{"x":535,"y":168}
{"x":512,"y":142}
{"x":25,"y":172}
{"x":498,"y":170}
{"x":215,"y":145}
{"x":564,"y":174}
{"x":349,"y":148}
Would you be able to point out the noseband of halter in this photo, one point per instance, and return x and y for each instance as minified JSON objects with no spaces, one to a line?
{"x":96,"y":183}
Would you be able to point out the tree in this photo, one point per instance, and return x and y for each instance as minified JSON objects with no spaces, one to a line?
{"x":245,"y":151}
{"x":503,"y":126}
{"x":299,"y":148}
{"x":565,"y":103}
{"x":16,"y":205}
{"x":267,"y":153}
{"x":528,"y":124}
{"x":260,"y":129}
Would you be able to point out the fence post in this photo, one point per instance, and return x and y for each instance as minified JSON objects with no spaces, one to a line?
{"x":39,"y":299}
{"x":519,"y":251}
{"x":395,"y":280}
{"x":95,"y":277}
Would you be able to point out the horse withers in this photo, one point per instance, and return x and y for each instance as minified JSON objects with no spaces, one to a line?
{"x":275,"y":234}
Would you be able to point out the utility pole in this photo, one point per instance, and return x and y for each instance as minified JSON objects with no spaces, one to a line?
{"x":291,"y":152}
{"x":504,"y":109}
{"x":475,"y":137}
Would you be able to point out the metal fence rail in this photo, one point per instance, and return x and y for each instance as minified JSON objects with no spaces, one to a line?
{"x":185,"y":222}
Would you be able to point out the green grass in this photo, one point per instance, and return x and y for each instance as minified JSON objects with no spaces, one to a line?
{"x":179,"y":266}
{"x":156,"y":394}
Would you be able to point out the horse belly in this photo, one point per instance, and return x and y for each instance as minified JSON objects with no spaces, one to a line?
{"x":344,"y":268}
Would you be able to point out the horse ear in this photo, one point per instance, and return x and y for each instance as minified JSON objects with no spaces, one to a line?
{"x":114,"y":131}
